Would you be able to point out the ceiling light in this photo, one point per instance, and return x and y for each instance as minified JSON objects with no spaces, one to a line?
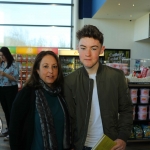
{"x":119,"y":4}
{"x":133,"y":5}
{"x":130,"y":15}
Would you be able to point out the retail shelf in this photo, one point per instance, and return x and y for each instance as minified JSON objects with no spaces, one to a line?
{"x":139,"y":84}
{"x":138,"y":140}
{"x":140,"y":120}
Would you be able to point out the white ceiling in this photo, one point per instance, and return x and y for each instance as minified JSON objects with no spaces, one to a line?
{"x":126,"y":10}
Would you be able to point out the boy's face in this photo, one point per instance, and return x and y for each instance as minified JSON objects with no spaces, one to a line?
{"x":89,"y":50}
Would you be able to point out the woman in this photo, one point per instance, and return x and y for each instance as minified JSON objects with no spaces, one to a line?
{"x":9,"y":74}
{"x":39,"y":118}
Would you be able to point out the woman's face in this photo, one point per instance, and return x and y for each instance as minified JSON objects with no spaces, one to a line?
{"x":48,"y":70}
{"x":2,"y":57}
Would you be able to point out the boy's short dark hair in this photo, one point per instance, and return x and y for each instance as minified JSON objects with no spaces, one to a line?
{"x":91,"y":32}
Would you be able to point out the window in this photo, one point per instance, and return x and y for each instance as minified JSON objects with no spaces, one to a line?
{"x":39,"y":1}
{"x":36,"y":23}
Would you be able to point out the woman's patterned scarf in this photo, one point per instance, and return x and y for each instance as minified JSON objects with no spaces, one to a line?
{"x":46,"y":119}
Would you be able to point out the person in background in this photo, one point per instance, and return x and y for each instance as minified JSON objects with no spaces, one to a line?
{"x":97,"y":96}
{"x":9,"y":75}
{"x":0,"y":60}
{"x":39,"y":117}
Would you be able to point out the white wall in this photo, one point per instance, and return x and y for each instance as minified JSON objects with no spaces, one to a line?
{"x":119,"y":34}
{"x":141,"y":28}
{"x":141,"y":49}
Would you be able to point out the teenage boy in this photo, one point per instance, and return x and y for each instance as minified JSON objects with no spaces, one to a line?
{"x":98,"y":96}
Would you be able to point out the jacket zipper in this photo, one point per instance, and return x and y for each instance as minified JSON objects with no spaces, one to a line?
{"x":86,"y":113}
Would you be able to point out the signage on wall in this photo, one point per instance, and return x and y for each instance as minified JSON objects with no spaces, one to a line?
{"x":118,"y":58}
{"x":55,"y":50}
{"x":24,"y":50}
{"x":12,"y":49}
{"x":116,"y":55}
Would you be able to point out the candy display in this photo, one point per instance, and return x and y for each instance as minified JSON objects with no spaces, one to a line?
{"x":139,"y":70}
{"x":146,"y":131}
{"x":140,"y":132}
{"x":25,"y":62}
{"x":140,"y":94}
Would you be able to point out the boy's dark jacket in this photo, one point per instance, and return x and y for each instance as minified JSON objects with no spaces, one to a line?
{"x":114,"y":100}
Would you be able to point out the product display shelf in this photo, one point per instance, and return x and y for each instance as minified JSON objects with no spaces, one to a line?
{"x":140,"y":93}
{"x":138,"y":140}
{"x":25,"y":64}
{"x":69,"y":64}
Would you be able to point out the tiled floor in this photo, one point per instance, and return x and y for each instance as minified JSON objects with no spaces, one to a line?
{"x":4,"y":145}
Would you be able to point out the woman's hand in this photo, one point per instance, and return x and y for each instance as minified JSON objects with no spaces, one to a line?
{"x":2,"y":73}
{"x":121,"y":145}
{"x":7,"y":76}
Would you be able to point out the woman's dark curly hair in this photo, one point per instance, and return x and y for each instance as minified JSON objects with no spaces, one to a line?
{"x":91,"y":32}
{"x":33,"y":81}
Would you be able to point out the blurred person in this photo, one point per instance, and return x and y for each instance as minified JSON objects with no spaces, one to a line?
{"x":39,"y":118}
{"x":9,"y":75}
{"x":0,"y":60}
{"x":97,"y":96}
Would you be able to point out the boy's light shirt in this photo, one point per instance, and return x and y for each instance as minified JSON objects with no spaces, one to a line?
{"x":95,"y":128}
